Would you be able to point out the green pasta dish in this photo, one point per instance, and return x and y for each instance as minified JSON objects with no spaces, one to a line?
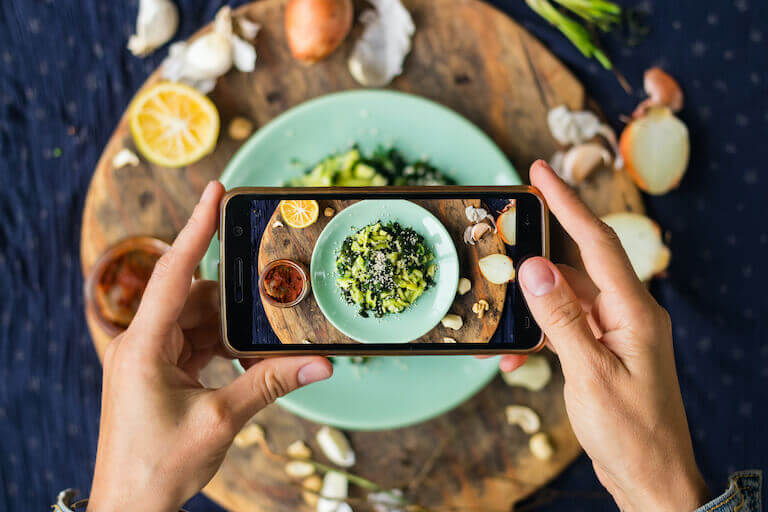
{"x":384,"y":268}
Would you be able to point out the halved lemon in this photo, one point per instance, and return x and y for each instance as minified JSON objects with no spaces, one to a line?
{"x":173,"y":124}
{"x":299,"y":213}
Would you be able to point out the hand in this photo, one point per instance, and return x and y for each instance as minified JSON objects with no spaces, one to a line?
{"x":615,"y":347}
{"x":163,"y":435}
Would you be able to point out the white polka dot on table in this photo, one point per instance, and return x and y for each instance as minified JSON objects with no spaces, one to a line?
{"x":742,"y":120}
{"x":34,"y":384}
{"x":712,"y":19}
{"x":34,"y":25}
{"x":704,"y":344}
{"x":698,"y":48}
{"x":12,"y":489}
{"x":741,"y":5}
{"x":677,"y":25}
{"x":754,"y":78}
{"x":755,"y":36}
{"x":98,"y":50}
{"x":730,"y":149}
{"x":700,"y":434}
{"x":705,"y":112}
{"x":731,"y":240}
{"x":737,"y":354}
{"x":726,"y":379}
{"x":91,"y":81}
{"x":73,"y":429}
{"x":728,"y":55}
{"x":720,"y":85}
{"x":19,"y":355}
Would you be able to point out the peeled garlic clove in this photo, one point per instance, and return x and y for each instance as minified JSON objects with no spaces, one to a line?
{"x":333,"y":492}
{"x":299,"y":450}
{"x":448,"y":340}
{"x":299,"y":469}
{"x":523,"y":416}
{"x":335,"y":447}
{"x":156,"y":23}
{"x":464,"y":286}
{"x":475,"y":214}
{"x":243,"y":54}
{"x":250,"y":435}
{"x":452,"y":321}
{"x":581,"y":160}
{"x":248,"y":29}
{"x":533,"y":375}
{"x":208,"y":56}
{"x":541,"y":446}
{"x":379,"y":53}
{"x":125,"y":157}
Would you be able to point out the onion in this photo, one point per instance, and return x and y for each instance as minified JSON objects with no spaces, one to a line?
{"x":315,"y":28}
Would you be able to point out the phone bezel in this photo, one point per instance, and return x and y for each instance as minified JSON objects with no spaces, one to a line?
{"x":366,"y":349}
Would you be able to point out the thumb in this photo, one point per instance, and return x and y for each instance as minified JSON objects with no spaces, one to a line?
{"x":558,"y":312}
{"x":268,"y":380}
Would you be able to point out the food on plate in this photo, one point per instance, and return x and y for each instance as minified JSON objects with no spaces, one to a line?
{"x":284,"y":283}
{"x":533,"y":375}
{"x":315,"y":28}
{"x":382,"y":167}
{"x":384,"y":268}
{"x":299,"y":213}
{"x":506,"y":223}
{"x":122,"y":283}
{"x":173,"y":125}
{"x":523,"y":416}
{"x":497,"y":268}
{"x":641,"y":239}
{"x":655,"y":148}
{"x":379,"y":53}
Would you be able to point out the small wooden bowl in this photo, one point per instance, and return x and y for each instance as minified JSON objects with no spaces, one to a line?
{"x":134,"y":243}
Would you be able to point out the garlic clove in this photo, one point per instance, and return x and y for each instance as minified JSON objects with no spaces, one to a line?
{"x":243,"y":54}
{"x":333,"y":492}
{"x":533,"y":375}
{"x":156,"y":23}
{"x":299,"y":469}
{"x":479,"y":231}
{"x":299,"y":450}
{"x":378,"y":55}
{"x":468,"y":239}
{"x":125,"y":157}
{"x":250,"y":435}
{"x":580,"y":161}
{"x":335,"y":446}
{"x":208,"y":56}
{"x":523,"y":416}
{"x":248,"y":29}
{"x":449,"y":340}
{"x":464,"y":286}
{"x":475,"y":214}
{"x":452,"y":321}
{"x":541,"y":446}
{"x":387,"y":501}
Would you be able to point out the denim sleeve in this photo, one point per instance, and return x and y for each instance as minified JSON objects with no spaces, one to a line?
{"x":743,"y":494}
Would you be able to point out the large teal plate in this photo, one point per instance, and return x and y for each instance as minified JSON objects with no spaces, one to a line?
{"x":421,"y":316}
{"x":387,"y":392}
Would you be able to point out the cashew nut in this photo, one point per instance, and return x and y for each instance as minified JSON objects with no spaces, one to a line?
{"x":541,"y":446}
{"x":533,"y":375}
{"x":452,"y":321}
{"x":523,"y":416}
{"x":299,"y":450}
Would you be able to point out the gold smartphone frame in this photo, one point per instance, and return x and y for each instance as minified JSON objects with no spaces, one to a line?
{"x":381,"y":192}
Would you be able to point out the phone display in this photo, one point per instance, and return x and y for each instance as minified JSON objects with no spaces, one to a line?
{"x":378,"y":270}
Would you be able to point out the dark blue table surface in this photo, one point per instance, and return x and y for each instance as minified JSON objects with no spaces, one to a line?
{"x":65,"y":78}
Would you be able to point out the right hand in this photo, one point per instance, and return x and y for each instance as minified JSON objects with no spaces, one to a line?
{"x":614,"y":342}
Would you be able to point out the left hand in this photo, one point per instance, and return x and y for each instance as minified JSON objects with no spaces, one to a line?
{"x":163,"y":435}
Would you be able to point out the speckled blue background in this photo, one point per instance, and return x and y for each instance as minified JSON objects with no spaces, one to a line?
{"x":65,"y":78}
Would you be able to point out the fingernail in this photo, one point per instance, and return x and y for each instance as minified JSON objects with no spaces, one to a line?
{"x":536,"y":276}
{"x":313,"y":372}
{"x":209,"y":191}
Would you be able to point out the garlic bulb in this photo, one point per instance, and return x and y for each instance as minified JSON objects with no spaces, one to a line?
{"x":156,"y":23}
{"x":379,"y":53}
{"x":202,"y":61}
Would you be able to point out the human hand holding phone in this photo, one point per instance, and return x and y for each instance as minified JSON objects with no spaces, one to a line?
{"x":162,"y":434}
{"x":614,"y":342}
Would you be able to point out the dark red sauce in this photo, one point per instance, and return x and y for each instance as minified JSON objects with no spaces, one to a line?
{"x":122,"y":284}
{"x":284,"y":283}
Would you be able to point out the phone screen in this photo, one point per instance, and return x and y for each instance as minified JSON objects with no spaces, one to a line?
{"x":384,"y":273}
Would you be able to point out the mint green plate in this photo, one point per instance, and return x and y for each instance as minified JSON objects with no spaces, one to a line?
{"x":386,"y":392}
{"x":421,"y":316}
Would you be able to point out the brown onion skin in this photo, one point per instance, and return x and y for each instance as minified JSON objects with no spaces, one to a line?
{"x":315,"y":28}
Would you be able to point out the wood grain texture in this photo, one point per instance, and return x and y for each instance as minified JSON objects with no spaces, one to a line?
{"x":306,"y":321}
{"x":472,"y":58}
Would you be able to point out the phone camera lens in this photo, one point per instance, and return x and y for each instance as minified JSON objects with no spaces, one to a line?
{"x":238,"y":230}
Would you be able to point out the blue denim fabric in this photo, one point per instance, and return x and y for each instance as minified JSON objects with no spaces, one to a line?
{"x":743,"y":494}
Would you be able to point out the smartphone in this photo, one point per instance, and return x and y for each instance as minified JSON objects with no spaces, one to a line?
{"x":378,"y":270}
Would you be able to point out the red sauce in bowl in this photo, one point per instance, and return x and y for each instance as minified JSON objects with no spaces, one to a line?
{"x":284,"y":283}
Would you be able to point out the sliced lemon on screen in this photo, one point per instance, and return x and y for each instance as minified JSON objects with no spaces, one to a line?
{"x":173,"y":124}
{"x":299,"y":213}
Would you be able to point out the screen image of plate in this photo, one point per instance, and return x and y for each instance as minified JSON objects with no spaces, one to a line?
{"x":393,"y":391}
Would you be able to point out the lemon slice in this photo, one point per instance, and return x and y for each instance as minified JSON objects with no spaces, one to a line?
{"x":173,"y":124}
{"x":299,"y":213}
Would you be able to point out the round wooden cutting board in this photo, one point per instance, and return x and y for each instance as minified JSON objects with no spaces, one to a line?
{"x":473,"y":59}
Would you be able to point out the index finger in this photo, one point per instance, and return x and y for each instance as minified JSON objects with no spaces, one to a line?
{"x":168,"y":288}
{"x":604,"y":258}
